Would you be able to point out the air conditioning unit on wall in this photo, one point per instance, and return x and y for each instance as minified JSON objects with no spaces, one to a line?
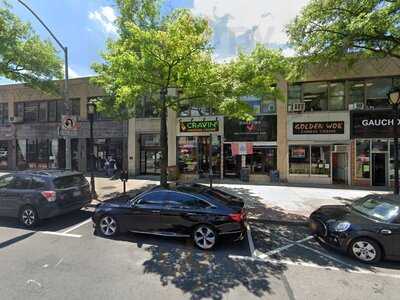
{"x":15,"y":119}
{"x":298,"y":107}
{"x":356,"y":106}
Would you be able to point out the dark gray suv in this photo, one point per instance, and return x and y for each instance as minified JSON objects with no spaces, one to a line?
{"x":34,"y":195}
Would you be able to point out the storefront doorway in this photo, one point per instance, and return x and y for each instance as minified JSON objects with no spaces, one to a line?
{"x":339,"y":168}
{"x":379,"y":169}
{"x":150,"y":154}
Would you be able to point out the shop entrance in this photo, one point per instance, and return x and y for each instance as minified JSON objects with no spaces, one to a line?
{"x":339,"y":168}
{"x":150,"y":162}
{"x":379,"y":169}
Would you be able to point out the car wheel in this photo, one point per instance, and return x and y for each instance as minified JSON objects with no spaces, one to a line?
{"x":108,"y":226}
{"x":28,"y":216}
{"x":204,"y":237}
{"x":366,"y":250}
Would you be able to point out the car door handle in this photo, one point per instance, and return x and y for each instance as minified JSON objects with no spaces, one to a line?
{"x":191,"y":214}
{"x":386,"y":232}
{"x":156,"y":211}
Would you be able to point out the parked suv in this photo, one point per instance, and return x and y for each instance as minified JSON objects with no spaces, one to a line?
{"x":34,"y":195}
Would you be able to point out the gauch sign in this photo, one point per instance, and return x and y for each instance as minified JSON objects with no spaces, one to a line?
{"x":372,"y":124}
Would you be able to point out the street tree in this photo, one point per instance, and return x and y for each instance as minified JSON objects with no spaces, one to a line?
{"x":329,"y":31}
{"x":24,"y":57}
{"x":154,"y":55}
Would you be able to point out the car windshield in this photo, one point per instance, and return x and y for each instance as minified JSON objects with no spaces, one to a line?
{"x":377,"y":208}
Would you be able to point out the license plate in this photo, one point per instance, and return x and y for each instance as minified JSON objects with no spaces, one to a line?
{"x":77,"y":193}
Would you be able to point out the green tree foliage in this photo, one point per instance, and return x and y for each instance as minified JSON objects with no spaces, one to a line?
{"x":336,"y":30}
{"x":24,"y":57}
{"x":154,"y":55}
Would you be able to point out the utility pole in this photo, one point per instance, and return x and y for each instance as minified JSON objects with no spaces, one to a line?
{"x":67,"y":103}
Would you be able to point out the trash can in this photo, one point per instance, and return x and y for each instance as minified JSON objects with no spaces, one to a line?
{"x":245,"y":174}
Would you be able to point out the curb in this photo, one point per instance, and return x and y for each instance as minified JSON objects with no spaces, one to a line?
{"x":279,"y":222}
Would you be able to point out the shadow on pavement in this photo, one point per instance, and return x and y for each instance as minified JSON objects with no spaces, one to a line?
{"x":205,"y":274}
{"x":16,"y":240}
{"x":57,"y":223}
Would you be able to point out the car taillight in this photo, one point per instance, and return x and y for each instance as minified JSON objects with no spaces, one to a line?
{"x":238,"y":217}
{"x":49,"y":195}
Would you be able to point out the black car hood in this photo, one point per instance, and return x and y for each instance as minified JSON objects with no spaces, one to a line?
{"x":339,"y":213}
{"x":115,"y":202}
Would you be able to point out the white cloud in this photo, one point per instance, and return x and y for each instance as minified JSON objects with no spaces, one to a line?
{"x":72,"y":73}
{"x":242,"y":23}
{"x":106,"y":16}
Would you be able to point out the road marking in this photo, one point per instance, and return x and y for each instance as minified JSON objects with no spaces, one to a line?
{"x":277,"y":250}
{"x":325,"y":255}
{"x":250,"y":240}
{"x":61,"y":234}
{"x":313,"y":265}
{"x":77,"y":226}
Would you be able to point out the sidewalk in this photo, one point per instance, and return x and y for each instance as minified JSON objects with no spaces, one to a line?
{"x":273,"y":203}
{"x":270,"y":203}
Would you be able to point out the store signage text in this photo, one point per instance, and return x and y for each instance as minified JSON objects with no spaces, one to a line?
{"x":331,"y":127}
{"x":372,"y":124}
{"x":199,"y":126}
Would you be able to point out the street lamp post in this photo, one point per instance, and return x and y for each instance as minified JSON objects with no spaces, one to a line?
{"x":394,"y":99}
{"x":91,"y":110}
{"x":66,"y":87}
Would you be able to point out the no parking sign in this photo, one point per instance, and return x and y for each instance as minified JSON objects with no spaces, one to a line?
{"x":69,"y":125}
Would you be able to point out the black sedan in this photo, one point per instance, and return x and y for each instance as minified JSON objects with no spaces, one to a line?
{"x":194,"y":211}
{"x":368,"y":230}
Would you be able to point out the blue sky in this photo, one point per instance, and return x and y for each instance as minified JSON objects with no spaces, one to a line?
{"x":85,"y":25}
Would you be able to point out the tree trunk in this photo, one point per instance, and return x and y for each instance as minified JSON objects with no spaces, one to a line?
{"x":164,"y":139}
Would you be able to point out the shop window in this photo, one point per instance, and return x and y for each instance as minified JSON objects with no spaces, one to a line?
{"x":190,"y":111}
{"x":315,"y":96}
{"x":377,"y":90}
{"x":19,"y":109}
{"x":391,"y":162}
{"x":3,"y":113}
{"x":262,"y":161}
{"x":149,"y":140}
{"x":336,"y":96}
{"x":363,"y":164}
{"x":299,"y":159}
{"x":43,"y":111}
{"x":31,"y":111}
{"x":320,"y":160}
{"x":3,"y":154}
{"x":379,"y":146}
{"x":294,"y":93}
{"x":356,"y":90}
{"x":52,"y":111}
{"x":187,"y":155}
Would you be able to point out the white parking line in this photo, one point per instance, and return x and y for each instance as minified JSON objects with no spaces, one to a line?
{"x":61,"y":234}
{"x":313,"y":265}
{"x":250,"y":240}
{"x":77,"y":226}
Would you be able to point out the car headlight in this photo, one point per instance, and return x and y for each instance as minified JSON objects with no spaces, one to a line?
{"x":342,"y":226}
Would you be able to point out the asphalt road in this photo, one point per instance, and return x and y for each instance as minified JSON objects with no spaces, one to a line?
{"x":63,"y":259}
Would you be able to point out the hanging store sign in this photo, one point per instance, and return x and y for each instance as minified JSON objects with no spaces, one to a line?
{"x":199,"y":126}
{"x":242,"y":148}
{"x":372,"y":124}
{"x":330,"y":127}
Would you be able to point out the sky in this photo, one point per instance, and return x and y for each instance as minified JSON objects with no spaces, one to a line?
{"x":85,"y":25}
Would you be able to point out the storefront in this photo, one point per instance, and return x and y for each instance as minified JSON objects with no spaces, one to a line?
{"x":318,"y":148}
{"x":259,"y":136}
{"x":104,"y":148}
{"x":150,"y":154}
{"x":372,"y":147}
{"x":198,"y":145}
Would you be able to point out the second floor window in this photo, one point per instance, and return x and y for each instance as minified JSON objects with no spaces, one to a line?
{"x":3,"y":113}
{"x":44,"y":111}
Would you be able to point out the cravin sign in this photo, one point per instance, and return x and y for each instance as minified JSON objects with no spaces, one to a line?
{"x":372,"y":124}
